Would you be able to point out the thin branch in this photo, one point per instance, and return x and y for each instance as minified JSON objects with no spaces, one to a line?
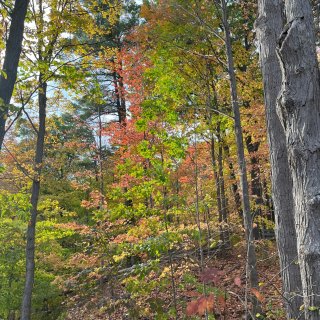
{"x":14,"y":120}
{"x":33,"y":126}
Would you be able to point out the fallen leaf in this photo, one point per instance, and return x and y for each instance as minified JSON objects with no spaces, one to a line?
{"x":257,"y":294}
{"x":192,"y":308}
{"x":237,"y":282}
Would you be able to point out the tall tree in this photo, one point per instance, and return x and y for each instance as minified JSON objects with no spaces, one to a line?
{"x":299,"y":106}
{"x":48,"y":38}
{"x":251,"y":254}
{"x":269,"y":26}
{"x":31,"y":232}
{"x":8,"y":75}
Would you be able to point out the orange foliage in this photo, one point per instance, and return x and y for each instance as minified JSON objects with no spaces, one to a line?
{"x":201,"y":306}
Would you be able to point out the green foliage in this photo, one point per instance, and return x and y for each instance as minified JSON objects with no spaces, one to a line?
{"x":14,"y":205}
{"x":53,"y":241}
{"x":11,"y":264}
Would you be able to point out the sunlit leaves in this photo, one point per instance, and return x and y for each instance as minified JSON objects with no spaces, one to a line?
{"x":14,"y":205}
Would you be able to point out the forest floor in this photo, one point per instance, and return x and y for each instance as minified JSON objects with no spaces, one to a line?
{"x":223,"y":271}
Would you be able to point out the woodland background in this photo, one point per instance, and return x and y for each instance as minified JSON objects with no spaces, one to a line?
{"x":140,"y":211}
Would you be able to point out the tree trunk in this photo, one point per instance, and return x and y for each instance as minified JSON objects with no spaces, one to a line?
{"x":119,"y":92}
{"x":234,"y":186}
{"x":269,"y":25}
{"x":30,"y":248}
{"x":123,"y":109}
{"x":251,"y":254}
{"x":11,"y":60}
{"x":224,"y":200}
{"x":298,"y":109}
{"x":217,"y":185}
{"x":101,"y":182}
{"x":256,"y":187}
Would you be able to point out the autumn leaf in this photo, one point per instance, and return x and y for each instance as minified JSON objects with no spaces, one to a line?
{"x":237,"y":282}
{"x":192,"y":308}
{"x":200,"y":306}
{"x":258,"y":295}
{"x":205,"y":304}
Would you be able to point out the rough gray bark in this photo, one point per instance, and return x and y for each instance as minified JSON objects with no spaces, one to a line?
{"x":30,"y":248}
{"x":11,"y":61}
{"x":298,"y":109}
{"x":268,"y":26}
{"x":247,"y":217}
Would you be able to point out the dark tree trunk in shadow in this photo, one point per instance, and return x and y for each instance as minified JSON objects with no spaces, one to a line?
{"x":8,"y":75}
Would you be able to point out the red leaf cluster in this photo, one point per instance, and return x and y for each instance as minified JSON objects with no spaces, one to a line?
{"x":201,"y":306}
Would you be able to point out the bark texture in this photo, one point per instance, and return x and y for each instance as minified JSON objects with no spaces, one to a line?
{"x":268,"y":26}
{"x":11,"y":61}
{"x":298,"y":109}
